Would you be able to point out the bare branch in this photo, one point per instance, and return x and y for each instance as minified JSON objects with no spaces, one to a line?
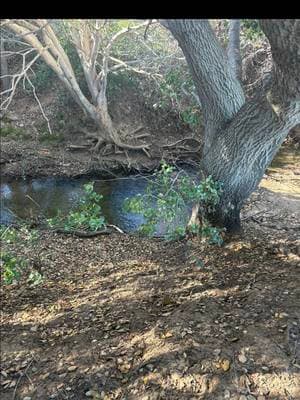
{"x":40,"y":106}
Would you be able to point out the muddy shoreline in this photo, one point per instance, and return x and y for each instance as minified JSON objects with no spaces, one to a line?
{"x":30,"y":159}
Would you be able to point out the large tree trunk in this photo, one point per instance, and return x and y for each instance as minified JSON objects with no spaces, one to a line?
{"x":241,"y":138}
{"x":240,"y":154}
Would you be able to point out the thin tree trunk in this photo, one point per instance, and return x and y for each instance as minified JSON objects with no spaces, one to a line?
{"x":233,"y":49}
{"x":4,"y":68}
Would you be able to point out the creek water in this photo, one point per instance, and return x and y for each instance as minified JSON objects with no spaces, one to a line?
{"x":30,"y":198}
{"x":43,"y":197}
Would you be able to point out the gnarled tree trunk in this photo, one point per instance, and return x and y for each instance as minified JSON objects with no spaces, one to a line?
{"x":241,"y":138}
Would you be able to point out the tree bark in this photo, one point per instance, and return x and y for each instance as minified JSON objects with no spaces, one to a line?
{"x":241,"y":138}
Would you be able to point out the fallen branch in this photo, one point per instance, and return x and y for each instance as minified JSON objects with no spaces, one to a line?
{"x":115,"y":227}
{"x":82,"y":234}
{"x":74,"y":147}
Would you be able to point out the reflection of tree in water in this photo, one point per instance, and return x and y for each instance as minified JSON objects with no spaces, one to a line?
{"x":46,"y":196}
{"x":120,"y":190}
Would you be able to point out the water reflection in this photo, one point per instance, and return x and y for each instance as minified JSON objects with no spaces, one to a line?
{"x":43,"y":197}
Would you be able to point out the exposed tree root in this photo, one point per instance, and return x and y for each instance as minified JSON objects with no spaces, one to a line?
{"x":83,"y":234}
{"x":182,"y":140}
{"x":100,"y":141}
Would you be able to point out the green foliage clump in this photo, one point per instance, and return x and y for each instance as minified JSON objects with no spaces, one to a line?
{"x":54,"y":138}
{"x":10,"y":130}
{"x":42,"y":78}
{"x":12,"y":267}
{"x":251,"y":29}
{"x":171,"y":94}
{"x":121,"y":80}
{"x":86,"y":216}
{"x":166,"y":199}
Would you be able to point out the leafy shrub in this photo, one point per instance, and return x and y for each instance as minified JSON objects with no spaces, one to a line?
{"x":42,"y":77}
{"x":175,"y":92}
{"x":10,"y":130}
{"x":46,"y":137}
{"x":166,"y":200}
{"x":12,"y":267}
{"x":251,"y":29}
{"x":11,"y":235}
{"x":86,"y":216}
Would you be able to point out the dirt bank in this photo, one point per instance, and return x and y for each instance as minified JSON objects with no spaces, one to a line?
{"x":27,"y":148}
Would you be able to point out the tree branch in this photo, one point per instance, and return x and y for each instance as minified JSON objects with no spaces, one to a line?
{"x":219,"y":91}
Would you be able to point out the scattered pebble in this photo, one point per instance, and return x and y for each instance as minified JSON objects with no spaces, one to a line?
{"x":72,"y":368}
{"x":242,"y":358}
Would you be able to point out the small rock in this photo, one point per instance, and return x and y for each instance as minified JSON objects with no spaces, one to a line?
{"x":150,"y":367}
{"x":34,"y":328}
{"x":72,"y":368}
{"x":264,"y":368}
{"x":92,"y":393}
{"x":250,"y":397}
{"x":242,"y":397}
{"x":242,"y":358}
{"x":227,"y":394}
{"x":261,"y":397}
{"x":27,"y":398}
{"x":217,"y":352}
{"x":225,"y":365}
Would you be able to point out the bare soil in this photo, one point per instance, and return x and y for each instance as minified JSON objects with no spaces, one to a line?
{"x":67,"y":152}
{"x":124,"y":317}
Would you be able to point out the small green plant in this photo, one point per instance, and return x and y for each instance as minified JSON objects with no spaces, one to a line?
{"x":9,"y":130}
{"x":191,"y":116}
{"x":11,"y":267}
{"x":8,"y":234}
{"x":46,"y":137}
{"x":86,"y":216}
{"x":11,"y":235}
{"x":251,"y":29}
{"x":166,"y":200}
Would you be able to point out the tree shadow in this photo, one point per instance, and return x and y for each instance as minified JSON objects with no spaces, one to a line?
{"x":160,"y":326}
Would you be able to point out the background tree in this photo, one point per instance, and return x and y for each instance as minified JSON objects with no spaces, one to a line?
{"x":241,"y":136}
{"x":93,"y":41}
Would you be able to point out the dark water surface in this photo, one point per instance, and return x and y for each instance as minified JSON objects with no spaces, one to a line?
{"x":45,"y":196}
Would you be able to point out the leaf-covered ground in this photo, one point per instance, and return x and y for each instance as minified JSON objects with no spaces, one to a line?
{"x":122,"y":317}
